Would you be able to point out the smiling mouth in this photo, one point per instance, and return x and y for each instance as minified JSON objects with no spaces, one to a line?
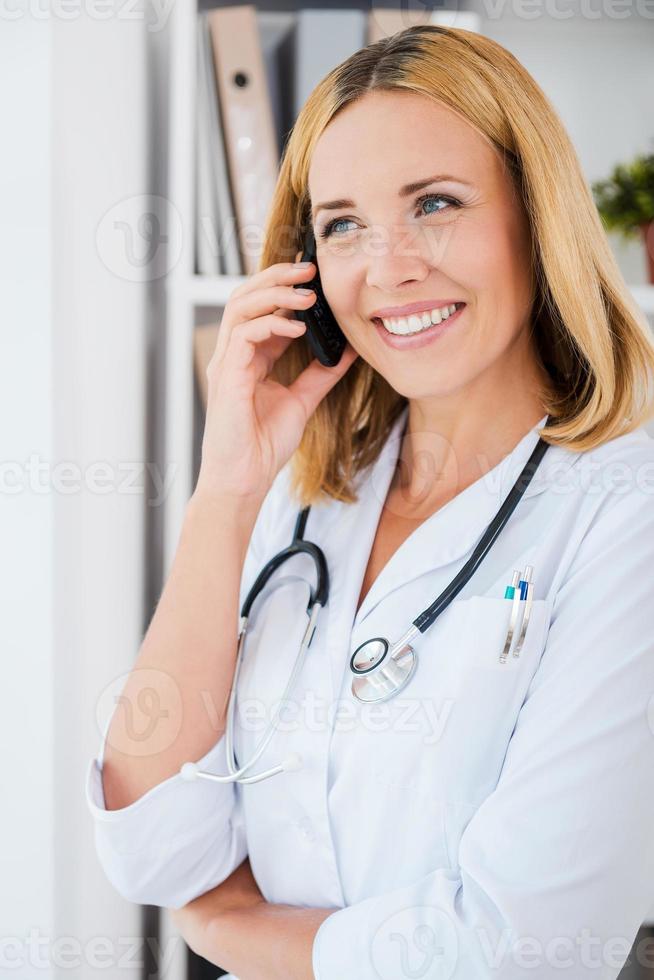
{"x":416,"y":323}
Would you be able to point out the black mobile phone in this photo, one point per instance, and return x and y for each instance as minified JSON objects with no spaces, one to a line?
{"x":326,"y":339}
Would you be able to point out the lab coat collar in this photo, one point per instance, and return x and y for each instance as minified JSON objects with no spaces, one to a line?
{"x":446,"y":535}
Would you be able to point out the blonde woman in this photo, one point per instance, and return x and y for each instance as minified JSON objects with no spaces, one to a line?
{"x":495,"y":819}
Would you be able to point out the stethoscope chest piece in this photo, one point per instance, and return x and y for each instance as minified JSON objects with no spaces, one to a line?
{"x":379,"y":673}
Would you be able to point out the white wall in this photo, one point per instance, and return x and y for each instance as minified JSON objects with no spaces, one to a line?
{"x":75,"y":130}
{"x":599,"y":74}
{"x":26,"y":516}
{"x":99,"y":159}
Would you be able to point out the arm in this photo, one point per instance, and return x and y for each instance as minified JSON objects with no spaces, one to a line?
{"x":555,"y":869}
{"x":233,"y":927}
{"x":179,"y":839}
{"x":186,"y":662}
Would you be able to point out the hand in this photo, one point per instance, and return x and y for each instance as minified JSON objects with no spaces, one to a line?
{"x":254,"y":424}
{"x":239,"y":891}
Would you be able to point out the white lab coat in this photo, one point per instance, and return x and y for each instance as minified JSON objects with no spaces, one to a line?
{"x":493,"y":820}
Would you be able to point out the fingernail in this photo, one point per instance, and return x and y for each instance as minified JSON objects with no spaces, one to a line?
{"x":304,"y":292}
{"x":304,"y":265}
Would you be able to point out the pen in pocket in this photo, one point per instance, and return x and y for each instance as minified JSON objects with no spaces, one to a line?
{"x":527,"y":595}
{"x":513,"y":594}
{"x":520,"y":594}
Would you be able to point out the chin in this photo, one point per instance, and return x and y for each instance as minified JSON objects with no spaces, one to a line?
{"x":414,"y":387}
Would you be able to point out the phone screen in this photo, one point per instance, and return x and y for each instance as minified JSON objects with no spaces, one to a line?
{"x":325,"y":337}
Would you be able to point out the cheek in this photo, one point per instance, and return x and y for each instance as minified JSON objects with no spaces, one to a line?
{"x":343,"y":287}
{"x":494,"y":266}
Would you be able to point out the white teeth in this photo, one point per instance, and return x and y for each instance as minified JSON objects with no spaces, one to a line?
{"x":418,"y":321}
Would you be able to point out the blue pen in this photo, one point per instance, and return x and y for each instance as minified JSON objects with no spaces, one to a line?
{"x":513,"y":593}
{"x":527,"y":593}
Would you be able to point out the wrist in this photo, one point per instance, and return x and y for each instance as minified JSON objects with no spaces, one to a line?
{"x":239,"y":508}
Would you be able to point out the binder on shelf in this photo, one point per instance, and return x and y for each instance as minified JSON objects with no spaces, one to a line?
{"x":247,"y":122}
{"x":207,"y":256}
{"x":383,"y":22}
{"x":277,"y":34}
{"x":217,"y":247}
{"x":324,"y":38}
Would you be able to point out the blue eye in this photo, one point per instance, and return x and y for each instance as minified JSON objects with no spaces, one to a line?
{"x":330,"y":226}
{"x":451,"y":202}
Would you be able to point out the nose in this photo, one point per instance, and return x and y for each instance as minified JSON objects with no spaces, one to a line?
{"x":400,"y":258}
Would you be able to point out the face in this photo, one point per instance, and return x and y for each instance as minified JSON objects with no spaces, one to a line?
{"x":463,"y":240}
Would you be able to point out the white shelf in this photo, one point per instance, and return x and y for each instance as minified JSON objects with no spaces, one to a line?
{"x":212,"y":290}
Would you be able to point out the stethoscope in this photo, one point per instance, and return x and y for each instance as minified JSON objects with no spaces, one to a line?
{"x":381,"y":669}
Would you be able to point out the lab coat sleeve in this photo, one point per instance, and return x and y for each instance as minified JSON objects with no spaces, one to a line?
{"x":180,"y":839}
{"x":555,"y":869}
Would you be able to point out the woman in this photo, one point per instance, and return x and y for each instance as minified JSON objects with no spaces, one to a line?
{"x":494,"y":820}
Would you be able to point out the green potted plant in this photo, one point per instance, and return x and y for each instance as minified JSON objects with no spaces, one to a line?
{"x":626,"y":203}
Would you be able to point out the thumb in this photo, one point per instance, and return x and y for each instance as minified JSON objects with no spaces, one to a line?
{"x":317,"y":379}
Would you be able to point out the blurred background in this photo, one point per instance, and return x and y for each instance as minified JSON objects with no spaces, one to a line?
{"x":138,"y":140}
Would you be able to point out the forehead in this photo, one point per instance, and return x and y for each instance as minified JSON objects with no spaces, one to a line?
{"x":392,"y":138}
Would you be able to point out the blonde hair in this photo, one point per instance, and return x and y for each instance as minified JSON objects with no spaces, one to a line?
{"x":590,"y":336}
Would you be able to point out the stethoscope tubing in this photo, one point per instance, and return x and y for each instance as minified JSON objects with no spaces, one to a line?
{"x":318,"y":600}
{"x":234,"y":771}
{"x":426,"y":618}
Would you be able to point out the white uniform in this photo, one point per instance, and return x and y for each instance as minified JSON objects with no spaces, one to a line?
{"x":492,"y":820}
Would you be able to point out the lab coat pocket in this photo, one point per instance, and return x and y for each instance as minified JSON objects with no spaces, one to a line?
{"x":486,"y":694}
{"x":487,"y":621}
{"x":449,"y":729}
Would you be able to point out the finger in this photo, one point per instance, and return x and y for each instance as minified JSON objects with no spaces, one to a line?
{"x":241,"y":352}
{"x":265,"y":300}
{"x":315,"y":381}
{"x":279,"y":272}
{"x":258,"y":304}
{"x":267,"y":354}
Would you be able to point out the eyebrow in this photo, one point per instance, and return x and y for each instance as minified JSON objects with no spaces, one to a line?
{"x":343,"y":202}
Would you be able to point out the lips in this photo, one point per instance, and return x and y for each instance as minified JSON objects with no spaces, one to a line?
{"x":459,"y":306}
{"x":410,"y":342}
{"x":420,"y":306}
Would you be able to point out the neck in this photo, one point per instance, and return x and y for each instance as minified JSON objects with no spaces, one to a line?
{"x":451,"y":442}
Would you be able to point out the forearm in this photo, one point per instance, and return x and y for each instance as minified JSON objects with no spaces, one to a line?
{"x":173,"y":705}
{"x":265,"y":942}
